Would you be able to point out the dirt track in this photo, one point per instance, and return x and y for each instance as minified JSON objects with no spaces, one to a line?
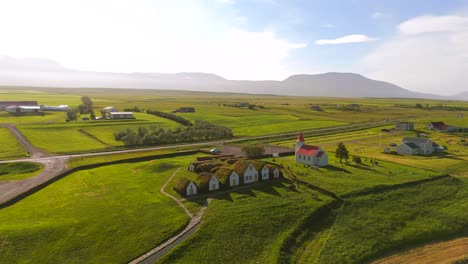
{"x":439,"y":253}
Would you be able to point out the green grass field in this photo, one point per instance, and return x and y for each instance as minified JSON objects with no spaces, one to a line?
{"x":18,"y":170}
{"x":110,"y":214}
{"x":342,"y":178}
{"x":10,"y":147}
{"x":247,"y":226}
{"x":392,"y":221}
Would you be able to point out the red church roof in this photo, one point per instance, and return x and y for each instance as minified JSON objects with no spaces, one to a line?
{"x":300,"y":138}
{"x":309,"y":150}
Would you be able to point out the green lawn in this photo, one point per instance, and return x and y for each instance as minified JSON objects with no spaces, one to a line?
{"x":10,"y":146}
{"x":248,"y":226}
{"x":18,"y":170}
{"x":396,"y":220}
{"x":61,"y":140}
{"x":110,"y":214}
{"x":342,"y":178}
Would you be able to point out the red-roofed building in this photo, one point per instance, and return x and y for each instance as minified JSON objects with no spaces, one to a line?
{"x":310,"y":155}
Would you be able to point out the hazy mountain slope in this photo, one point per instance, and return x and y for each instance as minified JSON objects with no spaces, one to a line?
{"x":44,"y":73}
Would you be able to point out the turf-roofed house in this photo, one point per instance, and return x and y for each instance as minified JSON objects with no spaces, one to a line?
{"x":210,"y":174}
{"x":309,"y":155}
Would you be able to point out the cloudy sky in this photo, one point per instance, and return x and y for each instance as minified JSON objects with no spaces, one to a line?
{"x":421,"y":45}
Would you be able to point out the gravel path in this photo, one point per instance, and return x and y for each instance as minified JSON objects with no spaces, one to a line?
{"x":158,"y":252}
{"x":439,"y":253}
{"x":33,"y":151}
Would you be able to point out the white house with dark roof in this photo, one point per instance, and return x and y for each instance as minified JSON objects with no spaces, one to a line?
{"x":265,"y":172}
{"x":191,"y":189}
{"x":309,"y":155}
{"x":415,"y":146}
{"x":234,"y":179}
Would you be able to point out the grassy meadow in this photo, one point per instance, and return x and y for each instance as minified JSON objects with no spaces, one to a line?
{"x":387,"y":222}
{"x":18,"y":170}
{"x":10,"y":147}
{"x":248,"y":226}
{"x":279,"y":114}
{"x":110,"y":214}
{"x":343,"y":179}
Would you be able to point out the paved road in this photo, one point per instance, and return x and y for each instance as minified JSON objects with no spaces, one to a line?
{"x":11,"y":189}
{"x":33,"y":151}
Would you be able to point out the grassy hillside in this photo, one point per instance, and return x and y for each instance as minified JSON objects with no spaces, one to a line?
{"x":105,"y":215}
{"x":248,"y":226}
{"x":391,"y":221}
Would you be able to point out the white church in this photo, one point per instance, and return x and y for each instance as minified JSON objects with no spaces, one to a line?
{"x":309,"y":155}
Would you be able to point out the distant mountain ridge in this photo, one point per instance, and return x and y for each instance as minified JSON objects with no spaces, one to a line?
{"x":44,"y":73}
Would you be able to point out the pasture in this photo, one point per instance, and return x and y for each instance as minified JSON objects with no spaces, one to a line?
{"x":109,"y":214}
{"x":10,"y":147}
{"x":342,"y":179}
{"x":277,"y":114}
{"x":248,"y":225}
{"x":387,"y":222}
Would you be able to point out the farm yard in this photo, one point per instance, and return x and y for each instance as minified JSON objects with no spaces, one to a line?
{"x":111,"y":214}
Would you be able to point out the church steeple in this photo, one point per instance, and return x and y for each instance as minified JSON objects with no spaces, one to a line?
{"x":300,"y":141}
{"x":300,"y":138}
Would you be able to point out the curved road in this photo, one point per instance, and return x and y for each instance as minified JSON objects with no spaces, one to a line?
{"x":158,"y":252}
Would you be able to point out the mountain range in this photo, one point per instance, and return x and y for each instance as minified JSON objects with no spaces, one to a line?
{"x":45,"y":73}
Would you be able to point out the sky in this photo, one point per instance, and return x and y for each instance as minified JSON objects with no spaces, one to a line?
{"x":421,"y":45}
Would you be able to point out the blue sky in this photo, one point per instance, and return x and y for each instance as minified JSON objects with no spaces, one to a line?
{"x":421,"y":45}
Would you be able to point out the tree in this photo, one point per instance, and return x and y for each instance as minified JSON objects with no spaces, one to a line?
{"x":342,"y":152}
{"x":86,"y":105}
{"x":253,"y":151}
{"x":71,"y":114}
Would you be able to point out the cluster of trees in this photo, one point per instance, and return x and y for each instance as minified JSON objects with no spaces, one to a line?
{"x":86,"y":107}
{"x":175,"y":118}
{"x":155,"y":135}
{"x":342,"y":152}
{"x":254,"y":151}
{"x":134,"y":109}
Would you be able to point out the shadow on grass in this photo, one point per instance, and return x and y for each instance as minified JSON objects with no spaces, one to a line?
{"x":338,"y":169}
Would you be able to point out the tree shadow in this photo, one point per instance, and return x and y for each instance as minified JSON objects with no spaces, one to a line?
{"x":362,"y":167}
{"x":339,"y":169}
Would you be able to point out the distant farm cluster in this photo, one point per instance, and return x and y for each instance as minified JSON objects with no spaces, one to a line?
{"x":224,"y":172}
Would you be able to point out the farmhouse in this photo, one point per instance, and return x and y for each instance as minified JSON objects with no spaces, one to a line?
{"x":227,"y":172}
{"x":121,"y":115}
{"x":54,"y":108}
{"x":309,"y":155}
{"x":440,"y":126}
{"x":404,"y":126}
{"x":4,"y":104}
{"x":191,"y":189}
{"x":109,"y":109}
{"x":415,"y":146}
{"x":23,"y":109}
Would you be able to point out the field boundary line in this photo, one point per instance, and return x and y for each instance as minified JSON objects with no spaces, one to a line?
{"x":329,"y":233}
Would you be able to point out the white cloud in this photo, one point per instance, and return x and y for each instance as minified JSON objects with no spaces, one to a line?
{"x":228,"y":2}
{"x":328,"y":25}
{"x":151,"y":36}
{"x":345,"y":40}
{"x":377,"y":15}
{"x":430,"y":24}
{"x":429,"y":53}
